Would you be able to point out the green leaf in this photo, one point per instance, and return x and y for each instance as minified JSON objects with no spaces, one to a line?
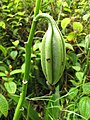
{"x":3,"y":105}
{"x":65,"y":22}
{"x":73,"y":57}
{"x":23,"y":67}
{"x":17,"y":1}
{"x":69,"y":46}
{"x":86,"y":88}
{"x":84,"y":107}
{"x":74,"y":83}
{"x":13,"y":54}
{"x":16,"y":71}
{"x":20,"y":13}
{"x":4,"y":50}
{"x":15,"y":43}
{"x":10,"y":87}
{"x":86,"y":17}
{"x":72,"y":93}
{"x":87,"y":43}
{"x":77,"y":68}
{"x":71,"y":36}
{"x":53,"y":108}
{"x":3,"y":68}
{"x":79,"y":76}
{"x":2,"y":24}
{"x":77,"y":26}
{"x":2,"y":74}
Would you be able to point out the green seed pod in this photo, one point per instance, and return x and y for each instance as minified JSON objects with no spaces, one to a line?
{"x":52,"y":51}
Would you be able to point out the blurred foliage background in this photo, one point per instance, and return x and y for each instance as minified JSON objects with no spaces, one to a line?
{"x":73,"y":19}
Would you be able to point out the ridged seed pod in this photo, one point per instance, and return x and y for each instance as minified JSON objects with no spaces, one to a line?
{"x":52,"y":51}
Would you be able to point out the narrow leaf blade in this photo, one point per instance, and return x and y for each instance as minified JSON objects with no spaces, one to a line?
{"x":3,"y":105}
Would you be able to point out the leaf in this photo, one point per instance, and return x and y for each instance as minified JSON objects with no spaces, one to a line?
{"x":2,"y":74}
{"x":13,"y":54}
{"x":69,"y":46}
{"x":33,"y":114}
{"x":79,"y":76}
{"x":15,"y":43}
{"x":84,"y":106}
{"x":52,"y":109}
{"x":77,"y":68}
{"x":16,"y":71}
{"x":2,"y":24}
{"x":86,"y":88}
{"x":81,"y":44}
{"x":65,"y":22}
{"x":86,"y":16}
{"x":4,"y":50}
{"x":20,"y":13}
{"x":74,"y":82}
{"x":10,"y":87}
{"x":73,"y":57}
{"x":36,"y":46}
{"x":87,"y":43}
{"x":71,"y":36}
{"x":23,"y":67}
{"x":17,"y":1}
{"x":3,"y":68}
{"x":72,"y":93}
{"x":3,"y":105}
{"x":77,"y":26}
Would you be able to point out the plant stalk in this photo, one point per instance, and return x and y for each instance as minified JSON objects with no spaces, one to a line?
{"x":28,"y":46}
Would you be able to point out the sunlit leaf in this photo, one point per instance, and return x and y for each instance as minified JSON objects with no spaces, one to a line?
{"x":2,"y":74}
{"x":77,"y":26}
{"x":69,"y":46}
{"x":79,"y":76}
{"x":15,"y":43}
{"x":65,"y":22}
{"x":10,"y":87}
{"x":20,"y":13}
{"x":23,"y":67}
{"x":86,"y":16}
{"x":71,"y":36}
{"x":87,"y":43}
{"x":3,"y":105}
{"x":77,"y":68}
{"x":17,"y":1}
{"x":4,"y":50}
{"x":2,"y":24}
{"x":15,"y":71}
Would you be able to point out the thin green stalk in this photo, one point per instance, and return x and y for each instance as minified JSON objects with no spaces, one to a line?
{"x":28,"y":112}
{"x":27,"y":65}
{"x":59,"y":16}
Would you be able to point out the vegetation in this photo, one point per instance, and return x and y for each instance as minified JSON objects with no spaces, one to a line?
{"x":69,"y":99}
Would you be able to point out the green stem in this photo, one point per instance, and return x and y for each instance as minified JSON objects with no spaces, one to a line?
{"x":49,"y":18}
{"x":27,"y":65}
{"x":28,"y":112}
